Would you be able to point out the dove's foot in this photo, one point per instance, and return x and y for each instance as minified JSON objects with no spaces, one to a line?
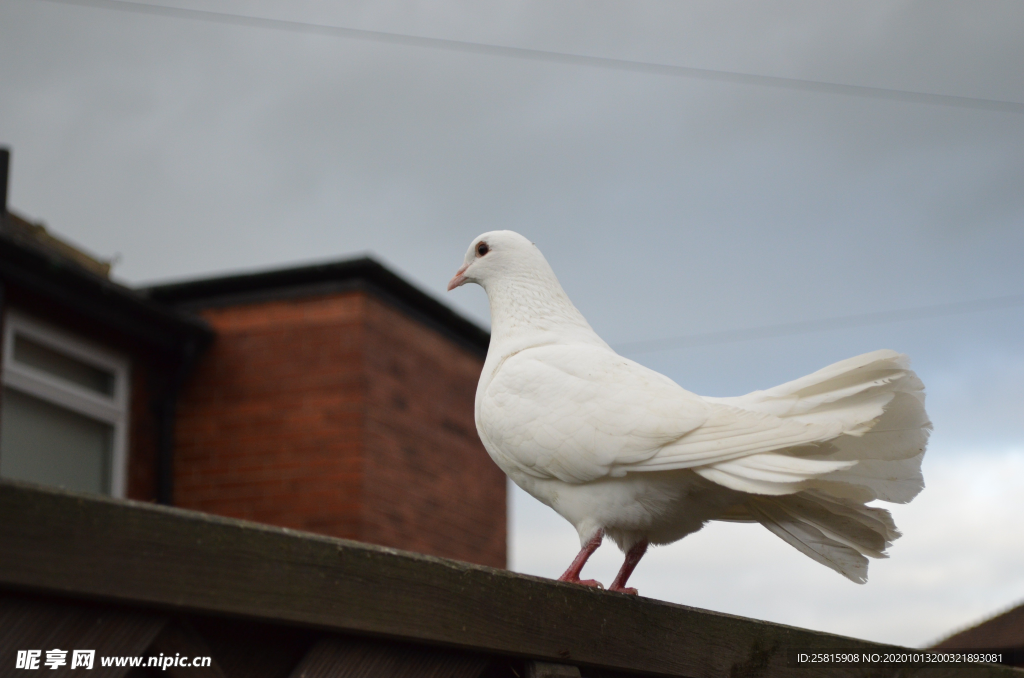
{"x":572,"y":575}
{"x":585,"y":582}
{"x":633,"y":557}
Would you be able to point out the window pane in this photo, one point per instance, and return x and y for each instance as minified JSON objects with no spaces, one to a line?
{"x":47,"y":444}
{"x":28,"y":352}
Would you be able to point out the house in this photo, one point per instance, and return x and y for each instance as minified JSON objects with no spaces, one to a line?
{"x":90,"y":368}
{"x":338,"y":399}
{"x":1002,"y":633}
{"x":335,"y":398}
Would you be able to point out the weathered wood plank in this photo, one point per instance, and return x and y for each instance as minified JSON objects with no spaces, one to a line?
{"x":159,"y":557}
{"x":27,"y":624}
{"x":549,"y":670}
{"x":179,"y":638}
{"x":351,"y":658}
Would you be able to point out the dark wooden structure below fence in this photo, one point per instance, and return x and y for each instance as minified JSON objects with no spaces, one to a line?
{"x":134,"y":579}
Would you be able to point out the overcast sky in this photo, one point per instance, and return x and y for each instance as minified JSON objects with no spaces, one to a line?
{"x":671,"y":203}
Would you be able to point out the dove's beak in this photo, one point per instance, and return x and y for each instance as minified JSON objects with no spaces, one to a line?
{"x":458,"y":280}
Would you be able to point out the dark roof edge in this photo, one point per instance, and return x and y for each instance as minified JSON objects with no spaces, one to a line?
{"x":977,"y":626}
{"x":364,"y":273}
{"x":55,"y":277}
{"x":35,"y":234}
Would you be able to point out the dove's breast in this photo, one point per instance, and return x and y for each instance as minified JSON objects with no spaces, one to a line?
{"x":578,"y":413}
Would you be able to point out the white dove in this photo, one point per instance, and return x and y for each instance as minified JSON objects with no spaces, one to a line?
{"x":622,"y":451}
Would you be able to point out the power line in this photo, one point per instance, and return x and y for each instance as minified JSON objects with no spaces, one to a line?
{"x":540,"y":55}
{"x":820,"y":325}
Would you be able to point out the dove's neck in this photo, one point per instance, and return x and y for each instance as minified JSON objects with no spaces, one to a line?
{"x":530,"y":308}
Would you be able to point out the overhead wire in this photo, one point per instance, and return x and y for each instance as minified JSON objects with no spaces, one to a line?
{"x":818,"y":325}
{"x":531,"y":54}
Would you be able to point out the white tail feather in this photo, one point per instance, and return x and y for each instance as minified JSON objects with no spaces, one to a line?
{"x":879,"y":403}
{"x":839,"y":535}
{"x":814,"y":496}
{"x":771,"y":473}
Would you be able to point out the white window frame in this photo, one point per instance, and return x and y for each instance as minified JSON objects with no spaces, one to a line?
{"x":40,"y":384}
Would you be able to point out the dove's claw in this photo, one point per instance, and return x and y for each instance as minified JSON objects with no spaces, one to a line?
{"x":572,"y":575}
{"x":632,"y":558}
{"x":584,"y":582}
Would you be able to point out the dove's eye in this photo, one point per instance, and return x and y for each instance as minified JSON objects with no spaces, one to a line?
{"x":482,"y":249}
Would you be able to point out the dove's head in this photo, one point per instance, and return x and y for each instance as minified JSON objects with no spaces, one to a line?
{"x":527,"y":303}
{"x":498,"y":255}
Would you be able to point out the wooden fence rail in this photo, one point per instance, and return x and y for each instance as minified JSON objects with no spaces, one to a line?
{"x":150,"y":559}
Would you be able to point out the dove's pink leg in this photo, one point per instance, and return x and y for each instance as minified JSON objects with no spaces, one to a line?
{"x":632,"y":558}
{"x":572,"y":575}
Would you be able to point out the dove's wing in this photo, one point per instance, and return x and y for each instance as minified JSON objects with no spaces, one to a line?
{"x":578,"y":413}
{"x":733,"y":436}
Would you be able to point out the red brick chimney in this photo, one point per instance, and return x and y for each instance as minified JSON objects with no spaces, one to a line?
{"x":339,"y":399}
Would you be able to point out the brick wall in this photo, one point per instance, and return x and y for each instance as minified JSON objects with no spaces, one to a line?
{"x":342,"y":415}
{"x":430,"y":485}
{"x":146,"y":380}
